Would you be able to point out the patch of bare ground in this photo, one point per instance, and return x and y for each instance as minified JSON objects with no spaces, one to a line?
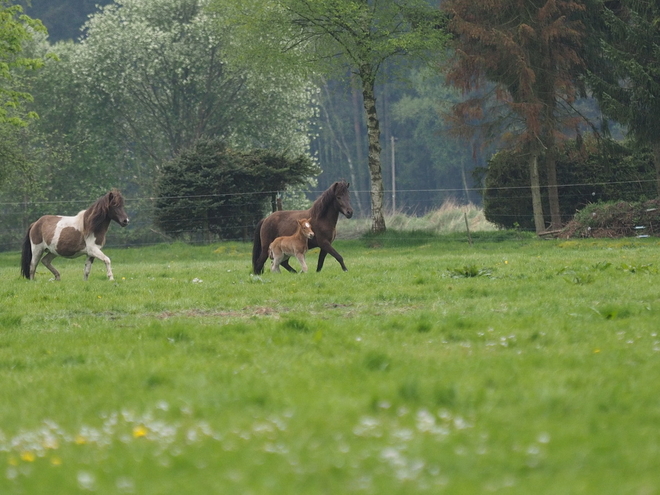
{"x":201,"y":313}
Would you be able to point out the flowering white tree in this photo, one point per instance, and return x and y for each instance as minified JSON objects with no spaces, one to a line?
{"x":167,"y":72}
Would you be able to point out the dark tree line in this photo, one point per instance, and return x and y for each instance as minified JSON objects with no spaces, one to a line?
{"x":62,"y":18}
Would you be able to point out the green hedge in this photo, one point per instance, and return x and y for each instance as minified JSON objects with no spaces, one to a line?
{"x":588,"y":171}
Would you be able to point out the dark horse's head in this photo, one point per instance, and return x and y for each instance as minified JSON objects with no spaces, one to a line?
{"x":342,"y":198}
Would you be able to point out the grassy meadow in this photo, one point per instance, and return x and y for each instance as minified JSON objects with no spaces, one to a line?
{"x":513,"y":365}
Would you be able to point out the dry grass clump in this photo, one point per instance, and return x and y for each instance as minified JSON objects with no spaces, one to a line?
{"x":450,"y":217}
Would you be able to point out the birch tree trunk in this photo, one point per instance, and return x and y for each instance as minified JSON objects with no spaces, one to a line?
{"x":373,"y":134}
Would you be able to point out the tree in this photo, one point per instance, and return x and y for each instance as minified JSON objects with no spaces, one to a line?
{"x":531,"y":53}
{"x":16,"y":32}
{"x":625,"y":72}
{"x":355,"y":36}
{"x":436,"y":164}
{"x":167,"y":73}
{"x":211,"y":189}
{"x":16,"y":28}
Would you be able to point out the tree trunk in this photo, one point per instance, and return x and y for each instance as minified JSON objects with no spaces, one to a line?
{"x":656,"y":160}
{"x":535,"y":185}
{"x":553,"y":190}
{"x":373,"y":133}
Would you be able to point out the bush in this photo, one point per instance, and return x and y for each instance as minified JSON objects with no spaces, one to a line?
{"x":588,"y":171}
{"x":213,"y":191}
{"x":616,"y":219}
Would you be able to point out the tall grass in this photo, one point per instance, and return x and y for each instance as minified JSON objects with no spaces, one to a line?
{"x":511,"y":365}
{"x":449,"y":218}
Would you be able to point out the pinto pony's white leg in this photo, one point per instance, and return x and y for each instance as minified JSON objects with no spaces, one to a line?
{"x":37,"y":253}
{"x":46,"y":260}
{"x":88,"y":267}
{"x":97,"y":253}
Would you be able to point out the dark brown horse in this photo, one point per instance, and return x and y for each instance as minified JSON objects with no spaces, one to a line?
{"x":323,"y":216}
{"x":73,"y":236}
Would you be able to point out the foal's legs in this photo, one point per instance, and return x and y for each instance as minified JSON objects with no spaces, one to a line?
{"x":301,"y":259}
{"x":277,"y":259}
{"x":286,"y":265}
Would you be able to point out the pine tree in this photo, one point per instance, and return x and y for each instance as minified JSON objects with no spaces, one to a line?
{"x":527,"y":56}
{"x":625,"y":74}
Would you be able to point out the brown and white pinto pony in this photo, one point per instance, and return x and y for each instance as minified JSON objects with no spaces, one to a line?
{"x":73,"y":236}
{"x":284,"y":247}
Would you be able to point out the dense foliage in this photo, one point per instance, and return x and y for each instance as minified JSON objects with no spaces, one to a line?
{"x":589,"y":172}
{"x":344,"y":36}
{"x":144,"y":80}
{"x":213,"y":190}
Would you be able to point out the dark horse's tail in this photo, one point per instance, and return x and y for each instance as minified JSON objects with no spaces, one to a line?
{"x":256,"y":249}
{"x":26,"y":255}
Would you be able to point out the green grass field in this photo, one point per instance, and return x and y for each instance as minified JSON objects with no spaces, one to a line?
{"x":514,"y":365}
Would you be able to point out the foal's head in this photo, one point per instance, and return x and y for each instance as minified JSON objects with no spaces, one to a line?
{"x":305,"y":227}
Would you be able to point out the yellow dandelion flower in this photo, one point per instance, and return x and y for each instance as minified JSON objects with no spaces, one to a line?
{"x":140,"y":431}
{"x":27,"y":456}
{"x":56,"y":461}
{"x":596,"y":351}
{"x":80,"y":440}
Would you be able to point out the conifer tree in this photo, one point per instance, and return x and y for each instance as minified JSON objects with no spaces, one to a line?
{"x":527,"y":55}
{"x":625,"y":76}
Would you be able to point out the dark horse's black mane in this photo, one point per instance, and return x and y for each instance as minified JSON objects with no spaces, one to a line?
{"x":324,"y":201}
{"x":97,"y":214}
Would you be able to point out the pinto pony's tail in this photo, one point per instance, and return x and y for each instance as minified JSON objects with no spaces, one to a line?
{"x":256,"y":249}
{"x":26,"y":255}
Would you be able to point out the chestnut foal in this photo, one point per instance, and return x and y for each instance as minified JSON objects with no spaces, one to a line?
{"x":284,"y":247}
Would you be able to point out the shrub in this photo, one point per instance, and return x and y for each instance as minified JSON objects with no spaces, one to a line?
{"x":211,"y":190}
{"x":588,"y":171}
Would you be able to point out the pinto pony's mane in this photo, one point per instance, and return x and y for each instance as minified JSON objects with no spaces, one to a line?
{"x":97,"y":214}
{"x":324,"y":201}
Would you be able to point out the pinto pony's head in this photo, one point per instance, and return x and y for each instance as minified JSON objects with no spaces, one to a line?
{"x":116,"y":209}
{"x":107,"y":207}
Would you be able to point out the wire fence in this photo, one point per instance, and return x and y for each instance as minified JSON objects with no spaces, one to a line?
{"x":15,"y":216}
